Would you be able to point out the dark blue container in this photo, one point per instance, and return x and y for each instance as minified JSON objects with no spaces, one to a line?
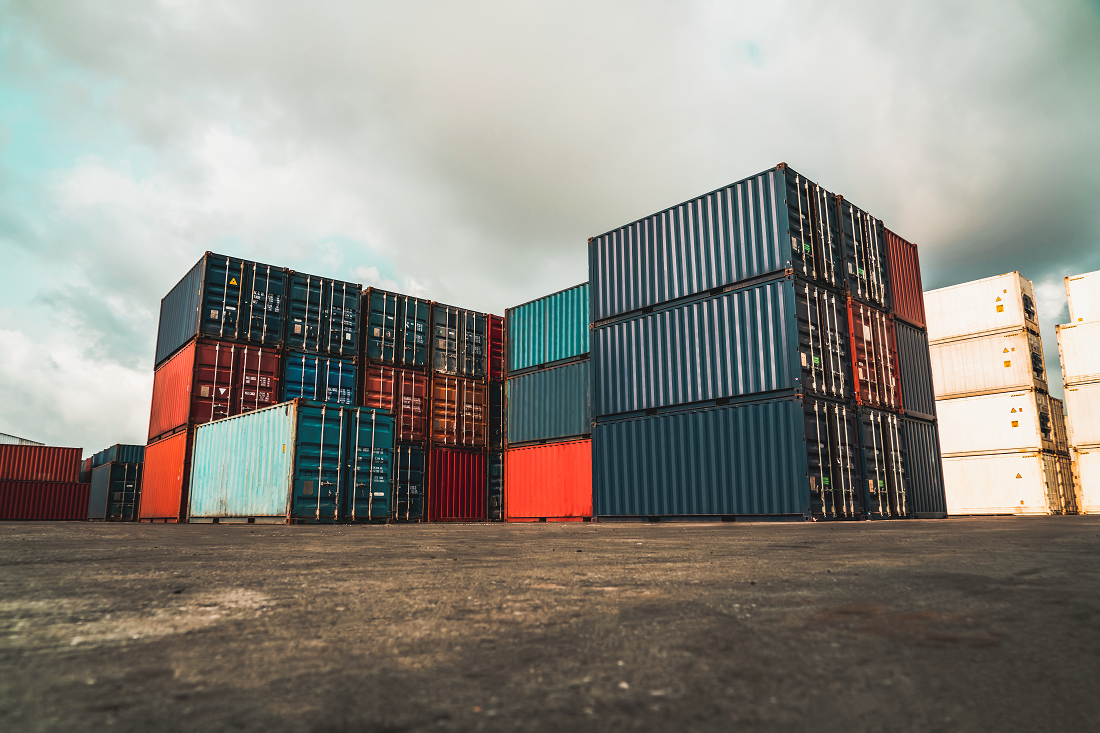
{"x":115,"y":491}
{"x":226,"y":298}
{"x":866,"y":258}
{"x":885,"y":488}
{"x":323,"y":315}
{"x":497,"y":418}
{"x":495,"y":489}
{"x":320,"y":378}
{"x":923,"y":467}
{"x":409,"y":468}
{"x":460,"y":342}
{"x":549,"y":404}
{"x":396,"y":329}
{"x":918,"y":395}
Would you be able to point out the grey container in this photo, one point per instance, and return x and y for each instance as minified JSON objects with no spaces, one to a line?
{"x":789,"y":457}
{"x":923,"y":468}
{"x":768,"y":223}
{"x":115,"y":491}
{"x":918,"y":397}
{"x":550,"y":404}
{"x":785,"y":334}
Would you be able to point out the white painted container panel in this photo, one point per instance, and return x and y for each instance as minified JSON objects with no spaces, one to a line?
{"x":983,"y":364}
{"x":1004,"y":483}
{"x":1083,"y":414}
{"x":1079,"y":347}
{"x":1087,"y":474}
{"x":1083,"y":294}
{"x":995,"y":304}
{"x":992,"y":423}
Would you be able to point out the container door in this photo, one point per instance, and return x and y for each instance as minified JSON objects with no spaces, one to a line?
{"x":495,"y":486}
{"x":318,"y":484}
{"x":416,"y":315}
{"x":832,"y":445}
{"x":123,"y":492}
{"x":304,"y":329}
{"x":874,"y":360}
{"x":812,"y":228}
{"x":263,"y":322}
{"x":370,"y":465}
{"x":865,"y":254}
{"x":408,"y":483}
{"x":823,"y":341}
{"x":885,"y":493}
{"x":496,"y":416}
{"x":223,"y":298}
{"x":260,"y":373}
{"x":381,"y":325}
{"x":344,"y":300}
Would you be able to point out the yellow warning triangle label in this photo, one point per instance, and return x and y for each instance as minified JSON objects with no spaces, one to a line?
{"x":998,"y":299}
{"x":1019,"y":476}
{"x":1014,"y":409}
{"x":234,"y":282}
{"x":1005,"y":351}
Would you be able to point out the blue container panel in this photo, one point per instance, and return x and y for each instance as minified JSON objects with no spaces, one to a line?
{"x":737,"y":460}
{"x":323,"y":315}
{"x":409,"y":484}
{"x":548,"y":329}
{"x":923,"y":466}
{"x":179,"y":313}
{"x":242,"y":300}
{"x":319,"y":378}
{"x":320,"y":456}
{"x":397,"y":328}
{"x":915,"y":364}
{"x":370,"y":464}
{"x":460,"y":344}
{"x":550,"y":403}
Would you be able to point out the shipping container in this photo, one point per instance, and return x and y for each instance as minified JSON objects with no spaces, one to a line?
{"x":6,"y":439}
{"x":300,"y":461}
{"x":1079,"y":347}
{"x":996,"y":423}
{"x":404,"y":393}
{"x":918,"y":395}
{"x":881,"y":447}
{"x":1003,"y":483}
{"x":86,"y":470}
{"x":319,"y":378}
{"x":410,"y":470}
{"x":497,"y":347}
{"x":39,"y":463}
{"x":165,"y":477}
{"x":114,"y":492}
{"x":495,"y":485}
{"x":1083,"y":413}
{"x":866,"y":259}
{"x":547,"y":330}
{"x":923,"y":468}
{"x":119,"y":453}
{"x":1083,"y":294}
{"x":765,"y":224}
{"x":874,"y":357}
{"x":261,"y":371}
{"x":323,"y":315}
{"x":906,"y":290}
{"x":460,"y":342}
{"x":497,"y":417}
{"x":1067,"y":484}
{"x":549,"y":404}
{"x":224,"y":298}
{"x":998,"y":304}
{"x":548,"y":482}
{"x":1060,"y":427}
{"x":397,"y":329}
{"x":785,"y":457}
{"x":456,"y":485}
{"x":779,"y":335}
{"x":1086,"y":461}
{"x":43,"y":500}
{"x":1000,"y":362}
{"x":459,"y":415}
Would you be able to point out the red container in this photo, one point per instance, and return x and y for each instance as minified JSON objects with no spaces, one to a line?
{"x":39,"y":463}
{"x":43,"y":500}
{"x":208,"y":380}
{"x":496,"y":348}
{"x":874,"y":357}
{"x":403,"y":391}
{"x":548,"y":482}
{"x":165,"y":479}
{"x":456,"y":485}
{"x":906,"y":291}
{"x":460,"y":415}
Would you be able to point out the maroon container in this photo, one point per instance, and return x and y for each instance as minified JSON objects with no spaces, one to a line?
{"x":39,"y":463}
{"x":906,"y":291}
{"x":456,"y":485}
{"x":496,"y":348}
{"x":43,"y":500}
{"x":874,"y":357}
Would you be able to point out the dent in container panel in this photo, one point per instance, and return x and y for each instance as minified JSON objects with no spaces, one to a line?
{"x":886,"y":487}
{"x":906,"y":290}
{"x":456,"y":485}
{"x":874,"y":357}
{"x":397,"y":328}
{"x":459,"y":415}
{"x":998,"y":362}
{"x":918,"y":391}
{"x":1083,"y":294}
{"x":865,"y":255}
{"x":405,"y":393}
{"x":923,"y":468}
{"x":323,"y":315}
{"x":460,"y":341}
{"x":992,"y":305}
{"x":43,"y":500}
{"x":167,"y":473}
{"x":548,"y":329}
{"x":39,"y":463}
{"x":319,"y":378}
{"x":410,"y":468}
{"x":548,"y":481}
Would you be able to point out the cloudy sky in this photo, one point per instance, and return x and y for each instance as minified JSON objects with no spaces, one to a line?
{"x":467,"y":150}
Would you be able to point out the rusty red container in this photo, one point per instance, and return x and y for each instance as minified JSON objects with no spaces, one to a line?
{"x":496,"y":348}
{"x":874,"y":357}
{"x":906,"y":290}
{"x":208,"y":380}
{"x":166,"y":478}
{"x":460,"y":412}
{"x":405,"y":393}
{"x":456,"y":485}
{"x":43,"y":500}
{"x":39,"y":463}
{"x":548,"y":482}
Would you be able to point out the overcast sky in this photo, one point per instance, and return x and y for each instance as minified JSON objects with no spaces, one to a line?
{"x":467,"y":150}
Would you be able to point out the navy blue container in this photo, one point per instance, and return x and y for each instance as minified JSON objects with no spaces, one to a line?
{"x":396,"y":330}
{"x":866,"y":258}
{"x":885,"y":488}
{"x":319,"y":378}
{"x":409,"y":469}
{"x":226,"y":298}
{"x":119,"y":453}
{"x":497,"y":419}
{"x":918,"y":394}
{"x":323,"y":315}
{"x":495,"y":489}
{"x":460,"y":342}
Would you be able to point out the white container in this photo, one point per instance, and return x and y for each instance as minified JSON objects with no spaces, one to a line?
{"x":1083,"y":294}
{"x":1083,"y":414}
{"x":995,"y":423}
{"x":984,"y":364}
{"x":1006,"y":483}
{"x":1079,"y":348}
{"x":1087,"y":475}
{"x":993,"y":305}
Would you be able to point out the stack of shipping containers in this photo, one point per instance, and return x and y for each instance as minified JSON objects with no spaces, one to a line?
{"x":40,"y":481}
{"x":114,"y":476}
{"x":744,"y":360}
{"x":548,"y":461}
{"x":1079,"y":347}
{"x":1002,"y":453}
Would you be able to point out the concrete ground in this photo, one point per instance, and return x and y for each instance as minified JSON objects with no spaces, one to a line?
{"x":961,"y":624}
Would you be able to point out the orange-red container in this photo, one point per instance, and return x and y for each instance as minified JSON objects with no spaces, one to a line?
{"x":43,"y":500}
{"x":874,"y":357}
{"x":166,"y":478}
{"x":405,"y":393}
{"x":906,"y":290}
{"x":460,"y":415}
{"x":39,"y":463}
{"x":550,"y":482}
{"x":456,"y":485}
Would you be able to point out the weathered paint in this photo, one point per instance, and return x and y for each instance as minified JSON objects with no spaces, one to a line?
{"x":397,"y":328}
{"x":459,"y":416}
{"x":165,"y":478}
{"x":1086,"y":460}
{"x":1079,"y":347}
{"x":918,"y":393}
{"x":866,"y":260}
{"x":38,"y":500}
{"x":460,"y":342}
{"x":39,"y":463}
{"x":991,"y":305}
{"x":410,"y":470}
{"x":261,"y":372}
{"x":549,"y":329}
{"x":920,"y":441}
{"x":404,"y":393}
{"x":874,"y":357}
{"x":983,"y":364}
{"x":906,"y":290}
{"x":1060,"y":428}
{"x":548,"y":481}
{"x":456,"y":485}
{"x":885,"y":486}
{"x":323,"y":315}
{"x":550,"y":403}
{"x":319,"y":378}
{"x":1083,"y":295}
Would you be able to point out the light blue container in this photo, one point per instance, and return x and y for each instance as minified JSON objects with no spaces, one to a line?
{"x":550,"y":329}
{"x":299,"y":461}
{"x":549,"y":404}
{"x":319,"y":378}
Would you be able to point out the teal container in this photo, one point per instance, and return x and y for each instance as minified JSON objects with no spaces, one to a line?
{"x":396,"y":328}
{"x":550,"y":329}
{"x":549,"y":404}
{"x":300,"y":461}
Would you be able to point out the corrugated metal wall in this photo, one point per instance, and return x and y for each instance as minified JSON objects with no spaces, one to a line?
{"x":39,"y":463}
{"x":906,"y":290}
{"x":886,"y":494}
{"x":866,"y":256}
{"x":166,"y":478}
{"x":323,"y":315}
{"x":460,"y":414}
{"x":923,"y":466}
{"x":179,"y":313}
{"x":918,"y":394}
{"x":35,"y":500}
{"x":456,"y":485}
{"x":320,"y":378}
{"x":549,"y":481}
{"x":549,"y":329}
{"x":397,"y":328}
{"x":549,"y":403}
